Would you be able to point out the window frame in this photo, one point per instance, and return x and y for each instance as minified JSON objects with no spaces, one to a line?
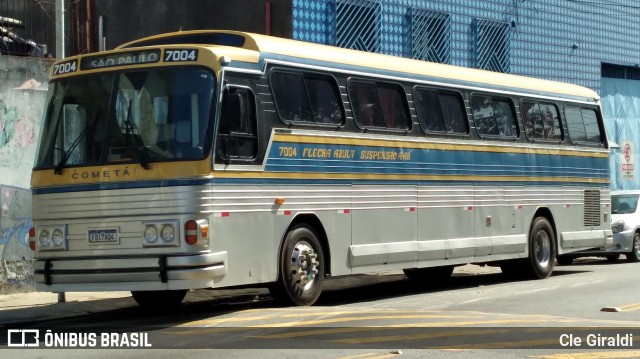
{"x":332,"y":79}
{"x":560,"y":121}
{"x":376,"y":83}
{"x":599,"y":122}
{"x":493,"y":97}
{"x":453,"y":92}
{"x":218,"y":157}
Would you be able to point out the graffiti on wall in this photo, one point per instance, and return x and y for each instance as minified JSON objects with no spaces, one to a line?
{"x":20,"y":112}
{"x":15,"y":221}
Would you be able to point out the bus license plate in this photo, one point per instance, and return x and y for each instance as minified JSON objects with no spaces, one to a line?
{"x":103,"y":236}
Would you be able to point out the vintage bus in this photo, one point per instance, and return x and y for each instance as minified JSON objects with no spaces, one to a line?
{"x":210,"y":159}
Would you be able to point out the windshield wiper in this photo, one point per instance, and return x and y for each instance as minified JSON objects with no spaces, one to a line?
{"x":60,"y":166}
{"x":142,"y":151}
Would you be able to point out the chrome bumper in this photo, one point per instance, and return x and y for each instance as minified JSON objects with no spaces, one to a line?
{"x":130,"y":273}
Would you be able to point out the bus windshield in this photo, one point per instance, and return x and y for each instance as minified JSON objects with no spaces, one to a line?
{"x":141,"y":116}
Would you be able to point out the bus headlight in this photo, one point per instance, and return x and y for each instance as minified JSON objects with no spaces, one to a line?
{"x":165,"y":230}
{"x":52,"y":238}
{"x":150,"y":234}
{"x":43,"y":238}
{"x":57,"y":237}
{"x":168,"y":233}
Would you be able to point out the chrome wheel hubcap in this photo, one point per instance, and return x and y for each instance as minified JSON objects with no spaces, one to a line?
{"x":304,"y":265}
{"x":542,"y":248}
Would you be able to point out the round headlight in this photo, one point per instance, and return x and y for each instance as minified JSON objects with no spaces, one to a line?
{"x":43,"y":238}
{"x":168,"y":233}
{"x":57,"y":237}
{"x":150,"y":234}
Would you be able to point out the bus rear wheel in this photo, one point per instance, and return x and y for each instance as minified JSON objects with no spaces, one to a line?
{"x":542,"y":251}
{"x":542,"y":254}
{"x":159,"y":299}
{"x":302,"y":268}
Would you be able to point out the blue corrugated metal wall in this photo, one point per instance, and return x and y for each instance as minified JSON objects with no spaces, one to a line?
{"x":541,"y":40}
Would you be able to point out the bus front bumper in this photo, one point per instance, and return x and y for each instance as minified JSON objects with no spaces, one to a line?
{"x":130,"y":273}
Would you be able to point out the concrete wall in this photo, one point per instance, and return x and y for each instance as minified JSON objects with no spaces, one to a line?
{"x":23,"y":84}
{"x":127,"y":20}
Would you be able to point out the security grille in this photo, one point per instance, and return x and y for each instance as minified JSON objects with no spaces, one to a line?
{"x":358,"y":24}
{"x":492,"y":43}
{"x":591,"y":208}
{"x":620,"y":72}
{"x":430,"y":35}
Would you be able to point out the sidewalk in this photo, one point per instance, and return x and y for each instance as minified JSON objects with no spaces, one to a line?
{"x":34,"y":307}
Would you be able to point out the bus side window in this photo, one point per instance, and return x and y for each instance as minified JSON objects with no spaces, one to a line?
{"x":541,"y":121}
{"x":494,"y":116}
{"x":237,"y":133}
{"x":583,"y":125}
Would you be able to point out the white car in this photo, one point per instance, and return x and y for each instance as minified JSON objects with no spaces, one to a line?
{"x":625,"y":224}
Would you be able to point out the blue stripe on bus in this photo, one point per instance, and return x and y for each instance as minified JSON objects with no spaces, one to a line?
{"x":432,"y":162}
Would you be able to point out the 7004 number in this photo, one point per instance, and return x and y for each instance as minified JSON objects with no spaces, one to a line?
{"x":180,"y":55}
{"x":65,"y":68}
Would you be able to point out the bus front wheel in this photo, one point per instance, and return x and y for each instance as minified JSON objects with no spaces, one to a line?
{"x":301,"y":271}
{"x":159,"y":299}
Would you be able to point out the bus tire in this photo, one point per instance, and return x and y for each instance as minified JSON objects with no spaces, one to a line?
{"x":159,"y":299}
{"x":301,"y":268}
{"x":542,"y":251}
{"x":634,"y":255}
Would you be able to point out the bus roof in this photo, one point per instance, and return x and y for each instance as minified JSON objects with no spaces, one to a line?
{"x":331,"y":54}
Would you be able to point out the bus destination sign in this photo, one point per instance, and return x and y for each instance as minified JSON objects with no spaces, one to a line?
{"x":120,"y":59}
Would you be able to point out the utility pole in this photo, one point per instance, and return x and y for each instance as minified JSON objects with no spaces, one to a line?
{"x":60,"y":45}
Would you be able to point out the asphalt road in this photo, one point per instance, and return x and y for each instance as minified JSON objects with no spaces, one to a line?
{"x":585,"y":310}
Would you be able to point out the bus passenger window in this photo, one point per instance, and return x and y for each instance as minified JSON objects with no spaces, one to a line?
{"x":494,"y":116}
{"x":392,"y":104}
{"x":307,"y":98}
{"x":541,"y":121}
{"x":379,"y":105}
{"x":440,"y":111}
{"x":364,"y":99}
{"x":483,"y":116}
{"x":325,"y":99}
{"x":583,"y":125}
{"x":428,"y":108}
{"x":291,"y":97}
{"x":453,"y":113}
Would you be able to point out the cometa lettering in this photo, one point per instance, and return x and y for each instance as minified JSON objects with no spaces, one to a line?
{"x":101,"y":174}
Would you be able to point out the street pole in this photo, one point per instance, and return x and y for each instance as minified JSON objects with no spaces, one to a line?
{"x":60,"y":29}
